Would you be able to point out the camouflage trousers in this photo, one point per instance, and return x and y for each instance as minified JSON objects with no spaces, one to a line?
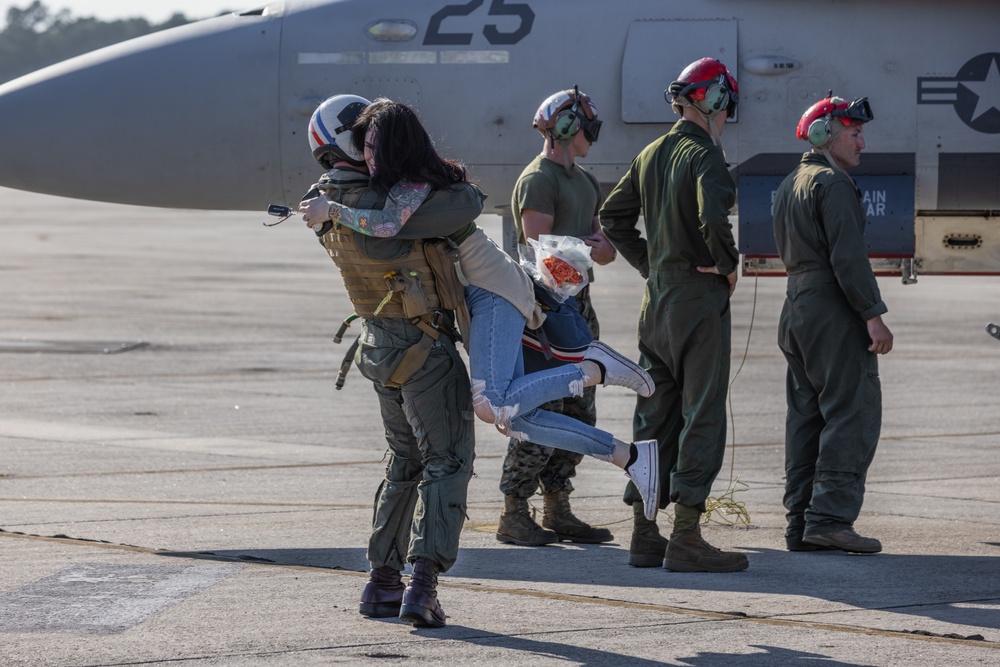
{"x":530,"y":467}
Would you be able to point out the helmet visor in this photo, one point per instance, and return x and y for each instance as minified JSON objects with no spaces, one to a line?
{"x":591,"y":128}
{"x":856,"y":113}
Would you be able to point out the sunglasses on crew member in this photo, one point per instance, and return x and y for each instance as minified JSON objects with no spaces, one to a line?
{"x":858,"y":111}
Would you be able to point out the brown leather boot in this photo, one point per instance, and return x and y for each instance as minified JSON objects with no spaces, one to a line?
{"x":517,"y":526}
{"x":648,"y":546}
{"x":558,"y":517}
{"x":420,"y":604}
{"x":383,"y":593}
{"x":688,"y":552}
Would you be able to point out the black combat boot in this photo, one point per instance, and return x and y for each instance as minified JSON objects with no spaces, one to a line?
{"x":420,"y":604}
{"x":559,"y":518}
{"x":517,"y":526}
{"x":846,"y":540}
{"x":383,"y":594}
{"x":794,"y":541}
{"x":648,"y":546}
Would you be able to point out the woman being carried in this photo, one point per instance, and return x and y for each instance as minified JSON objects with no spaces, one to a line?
{"x":403,"y":163}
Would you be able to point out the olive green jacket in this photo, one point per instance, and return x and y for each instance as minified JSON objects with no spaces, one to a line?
{"x":681,"y":185}
{"x":819,"y":226}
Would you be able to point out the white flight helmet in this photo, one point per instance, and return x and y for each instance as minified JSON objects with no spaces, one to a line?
{"x":330,"y":133}
{"x":565,"y":113}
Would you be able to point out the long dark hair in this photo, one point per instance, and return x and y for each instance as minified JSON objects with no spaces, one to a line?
{"x":403,"y":149}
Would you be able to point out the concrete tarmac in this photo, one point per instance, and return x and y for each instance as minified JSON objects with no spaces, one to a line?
{"x":181,"y":484}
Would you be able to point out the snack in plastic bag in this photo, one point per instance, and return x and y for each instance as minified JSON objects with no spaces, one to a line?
{"x":560,"y":264}
{"x":561,"y":271}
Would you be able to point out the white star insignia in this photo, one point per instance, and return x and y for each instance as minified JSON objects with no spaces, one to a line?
{"x":988,"y":91}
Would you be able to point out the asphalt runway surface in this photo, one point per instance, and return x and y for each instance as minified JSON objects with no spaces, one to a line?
{"x":181,"y":484}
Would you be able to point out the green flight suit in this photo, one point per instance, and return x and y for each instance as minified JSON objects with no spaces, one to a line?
{"x":832,"y":385}
{"x":681,"y":185}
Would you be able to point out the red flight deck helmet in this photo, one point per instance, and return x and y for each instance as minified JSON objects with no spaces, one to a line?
{"x":707,"y":85}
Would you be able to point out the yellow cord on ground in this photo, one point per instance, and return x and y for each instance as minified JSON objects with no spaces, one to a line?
{"x":725,"y":509}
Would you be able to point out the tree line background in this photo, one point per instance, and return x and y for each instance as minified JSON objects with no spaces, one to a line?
{"x":35,"y":36}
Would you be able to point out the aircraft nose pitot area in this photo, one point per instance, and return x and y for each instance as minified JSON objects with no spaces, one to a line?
{"x":213,"y":115}
{"x":106,"y":125}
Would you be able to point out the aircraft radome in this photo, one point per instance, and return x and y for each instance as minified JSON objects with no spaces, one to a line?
{"x":212,"y":115}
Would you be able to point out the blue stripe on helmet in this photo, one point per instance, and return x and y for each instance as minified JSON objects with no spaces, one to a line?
{"x":318,"y":122}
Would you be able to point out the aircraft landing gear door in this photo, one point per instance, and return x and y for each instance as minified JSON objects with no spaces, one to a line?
{"x":657,"y":51}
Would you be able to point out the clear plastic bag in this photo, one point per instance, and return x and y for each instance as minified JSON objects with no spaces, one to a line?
{"x":558,"y":263}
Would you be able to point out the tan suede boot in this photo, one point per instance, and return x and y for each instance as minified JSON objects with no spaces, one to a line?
{"x":559,"y":518}
{"x":517,"y":526}
{"x":689,"y":552}
{"x":648,"y":546}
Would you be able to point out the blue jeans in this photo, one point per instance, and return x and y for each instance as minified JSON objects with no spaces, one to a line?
{"x":497,"y":372}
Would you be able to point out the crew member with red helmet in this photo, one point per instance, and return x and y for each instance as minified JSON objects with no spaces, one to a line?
{"x":830,"y":332}
{"x":681,"y":185}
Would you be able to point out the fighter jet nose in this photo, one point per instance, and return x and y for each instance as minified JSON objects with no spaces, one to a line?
{"x":139,"y":122}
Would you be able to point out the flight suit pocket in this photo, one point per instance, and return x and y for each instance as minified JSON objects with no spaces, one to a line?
{"x":383,"y":347}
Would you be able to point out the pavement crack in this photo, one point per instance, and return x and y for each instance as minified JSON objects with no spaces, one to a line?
{"x":203,"y":503}
{"x":249,"y":468}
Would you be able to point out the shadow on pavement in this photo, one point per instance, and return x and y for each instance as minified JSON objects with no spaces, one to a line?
{"x":962,"y":590}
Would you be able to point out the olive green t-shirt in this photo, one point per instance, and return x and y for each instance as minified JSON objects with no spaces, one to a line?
{"x":572,"y":201}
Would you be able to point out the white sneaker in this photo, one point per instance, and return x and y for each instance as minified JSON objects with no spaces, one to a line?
{"x":645,"y":473}
{"x":619,"y":370}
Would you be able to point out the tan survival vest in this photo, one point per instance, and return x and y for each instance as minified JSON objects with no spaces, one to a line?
{"x":403,"y":287}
